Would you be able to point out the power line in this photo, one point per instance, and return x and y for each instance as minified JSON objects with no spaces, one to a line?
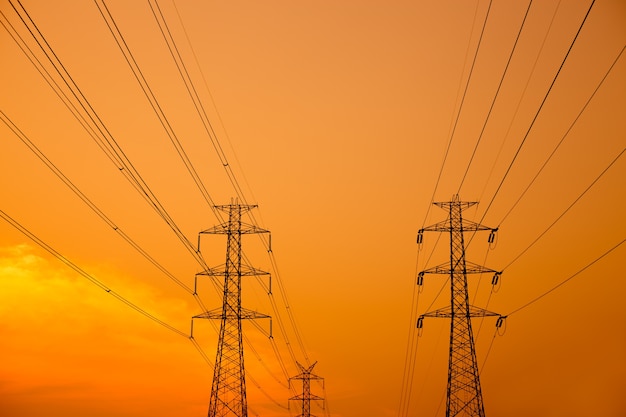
{"x":33,"y":148}
{"x":88,"y":276}
{"x":534,"y":300}
{"x":469,"y":77}
{"x":154,"y":103}
{"x":182,"y":69}
{"x":189,"y":85}
{"x":556,"y":76}
{"x":567,"y":209}
{"x":565,"y":135}
{"x":104,"y":138}
{"x":495,"y":97}
{"x":519,"y":103}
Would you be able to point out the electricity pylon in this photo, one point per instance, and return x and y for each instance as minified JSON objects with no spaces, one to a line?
{"x":228,"y":391}
{"x":464,"y":396}
{"x":306,"y":375}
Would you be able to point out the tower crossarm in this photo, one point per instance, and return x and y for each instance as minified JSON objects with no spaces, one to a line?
{"x":473,"y":311}
{"x":444,"y":226}
{"x":244,"y":314}
{"x":244,"y":271}
{"x":224,"y":229}
{"x":470,"y":268}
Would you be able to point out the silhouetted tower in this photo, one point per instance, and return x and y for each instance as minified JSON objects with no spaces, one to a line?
{"x":228,"y":391}
{"x":306,"y":376}
{"x":464,"y":396}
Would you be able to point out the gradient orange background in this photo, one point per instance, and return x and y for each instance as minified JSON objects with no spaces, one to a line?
{"x":339,"y":113}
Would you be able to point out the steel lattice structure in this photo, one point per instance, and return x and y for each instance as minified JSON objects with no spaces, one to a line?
{"x":306,"y":375}
{"x":464,"y":395}
{"x":228,"y":391}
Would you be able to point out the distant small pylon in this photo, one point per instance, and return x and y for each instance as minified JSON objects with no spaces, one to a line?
{"x":306,"y":375}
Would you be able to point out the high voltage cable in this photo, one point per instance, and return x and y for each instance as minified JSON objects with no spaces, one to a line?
{"x":411,"y":350}
{"x":30,"y":55}
{"x":109,"y":151}
{"x":556,"y":76}
{"x":107,"y":144}
{"x":154,"y":103}
{"x":87,"y":201}
{"x":119,"y":297}
{"x":534,"y":300}
{"x":182,"y":69}
{"x":179,"y":62}
{"x":567,"y":209}
{"x":208,"y":90}
{"x":121,"y":161}
{"x":157,"y":108}
{"x":565,"y":135}
{"x":86,"y":275}
{"x":94,"y":207}
{"x":519,"y":103}
{"x":189,"y":85}
{"x":469,"y":77}
{"x":495,"y":97}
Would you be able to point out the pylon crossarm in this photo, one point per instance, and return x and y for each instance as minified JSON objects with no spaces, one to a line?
{"x":457,"y":203}
{"x":443,"y":226}
{"x":470,"y":268}
{"x":226,"y":228}
{"x":241,"y":207}
{"x":473,"y":311}
{"x":470,"y":226}
{"x":244,"y":271}
{"x":245,"y":314}
{"x":251,"y":315}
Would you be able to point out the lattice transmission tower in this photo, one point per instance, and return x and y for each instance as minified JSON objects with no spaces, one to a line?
{"x":306,"y":375}
{"x":464,"y":396}
{"x":228,"y":390}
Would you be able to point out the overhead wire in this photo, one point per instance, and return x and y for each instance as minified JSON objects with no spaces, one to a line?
{"x":174,"y":51}
{"x":567,"y":209}
{"x":154,"y":103}
{"x":189,"y":85}
{"x":208,"y":90}
{"x":33,"y":148}
{"x":467,"y":83}
{"x":560,"y":284}
{"x":411,"y":350}
{"x":192,"y":91}
{"x":496,"y":95}
{"x":535,"y":117}
{"x":519,"y":102}
{"x":104,"y":137}
{"x":565,"y":135}
{"x":88,"y":276}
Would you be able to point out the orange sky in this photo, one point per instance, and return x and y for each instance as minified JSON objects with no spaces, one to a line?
{"x":339,"y":114}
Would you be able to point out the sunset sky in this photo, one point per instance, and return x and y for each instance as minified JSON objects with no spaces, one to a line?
{"x":343,"y":121}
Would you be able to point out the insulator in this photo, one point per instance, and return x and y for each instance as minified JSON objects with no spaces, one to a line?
{"x":420,"y":236}
{"x":492,"y":235}
{"x":420,"y":278}
{"x":500,"y":321}
{"x":420,"y":322}
{"x":496,"y":278}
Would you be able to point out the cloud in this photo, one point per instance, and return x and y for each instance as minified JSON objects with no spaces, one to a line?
{"x":69,"y":342}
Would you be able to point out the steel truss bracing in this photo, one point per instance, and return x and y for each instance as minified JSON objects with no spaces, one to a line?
{"x":228,"y":391}
{"x":306,"y":375}
{"x":464,"y":396}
